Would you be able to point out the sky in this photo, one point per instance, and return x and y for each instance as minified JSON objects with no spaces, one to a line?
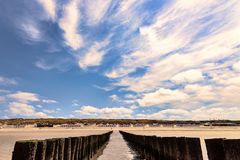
{"x":151,"y":59}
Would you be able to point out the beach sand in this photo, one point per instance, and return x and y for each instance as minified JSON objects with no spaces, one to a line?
{"x":9,"y":136}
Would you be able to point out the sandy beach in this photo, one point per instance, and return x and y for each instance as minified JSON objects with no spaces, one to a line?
{"x":9,"y":136}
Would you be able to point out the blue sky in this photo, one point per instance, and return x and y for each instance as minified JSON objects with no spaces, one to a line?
{"x":156,"y":59}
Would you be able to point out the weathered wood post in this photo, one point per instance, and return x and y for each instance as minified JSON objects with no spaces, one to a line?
{"x":25,"y":150}
{"x":182,"y":148}
{"x":67,"y":149}
{"x":160,"y":148}
{"x":194,"y":148}
{"x":50,"y":150}
{"x":41,"y":150}
{"x":73,"y":147}
{"x":215,"y":150}
{"x":232,"y":149}
{"x":55,"y":156}
{"x":61,"y":143}
{"x":173,"y":148}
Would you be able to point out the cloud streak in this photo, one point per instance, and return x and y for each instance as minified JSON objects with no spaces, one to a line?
{"x":96,"y":14}
{"x":7,"y":81}
{"x":69,"y":24}
{"x":50,"y":7}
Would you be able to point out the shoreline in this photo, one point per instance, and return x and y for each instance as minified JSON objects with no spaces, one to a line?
{"x":125,"y":128}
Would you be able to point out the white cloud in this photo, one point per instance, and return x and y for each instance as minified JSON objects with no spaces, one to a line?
{"x":236,"y":66}
{"x":50,"y":7}
{"x":92,"y":58}
{"x":133,"y":107}
{"x":105,"y":88}
{"x":96,"y":14}
{"x":88,"y":110}
{"x":175,"y":42}
{"x":171,"y":114}
{"x":201,"y":92}
{"x":62,"y":64}
{"x":4,"y":91}
{"x":2,"y":99}
{"x":94,"y":55}
{"x":49,"y":111}
{"x":31,"y":31}
{"x":42,"y":65}
{"x":229,"y":95}
{"x":22,"y":109}
{"x":49,"y":101}
{"x":202,"y":113}
{"x":128,"y":12}
{"x":114,"y":112}
{"x":189,"y":76}
{"x":114,"y":97}
{"x":7,"y":81}
{"x":24,"y":97}
{"x":232,"y":113}
{"x":69,"y":24}
{"x":162,"y":96}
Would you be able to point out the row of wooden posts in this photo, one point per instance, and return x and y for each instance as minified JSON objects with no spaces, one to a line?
{"x":182,"y":148}
{"x":72,"y":148}
{"x":223,"y":149}
{"x":165,"y":148}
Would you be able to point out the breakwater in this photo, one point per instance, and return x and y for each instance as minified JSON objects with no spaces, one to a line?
{"x":223,"y":149}
{"x":71,"y":148}
{"x":165,"y":148}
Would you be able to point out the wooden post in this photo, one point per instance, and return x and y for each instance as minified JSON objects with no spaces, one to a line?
{"x":182,"y":149}
{"x":232,"y":149}
{"x":25,"y":150}
{"x":194,"y":148}
{"x":73,"y":147}
{"x":50,"y":150}
{"x":67,"y":149}
{"x":41,"y":150}
{"x":61,"y":143}
{"x":215,"y":150}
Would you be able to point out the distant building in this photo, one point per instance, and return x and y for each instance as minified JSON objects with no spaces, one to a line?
{"x":224,"y":124}
{"x":107,"y":125}
{"x":155,"y":125}
{"x":13,"y":126}
{"x":124,"y":125}
{"x":71,"y":125}
{"x":40,"y":125}
{"x":138,"y":125}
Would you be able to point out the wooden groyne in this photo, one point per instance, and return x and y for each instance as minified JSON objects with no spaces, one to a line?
{"x":165,"y":148}
{"x":223,"y":149}
{"x":72,"y":148}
